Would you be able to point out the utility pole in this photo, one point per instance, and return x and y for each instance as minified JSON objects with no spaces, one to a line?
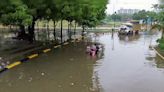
{"x":114,"y":20}
{"x":147,"y":22}
{"x":113,"y":29}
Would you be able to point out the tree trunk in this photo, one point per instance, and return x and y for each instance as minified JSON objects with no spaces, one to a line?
{"x":21,"y":33}
{"x":54,"y":30}
{"x":61,"y":31}
{"x":22,"y":29}
{"x":37,"y":30}
{"x":48,"y":32}
{"x":83,"y":31}
{"x":70,"y":30}
{"x":31,"y":30}
{"x":75,"y":30}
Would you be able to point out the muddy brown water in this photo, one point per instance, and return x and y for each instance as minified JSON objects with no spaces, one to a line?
{"x":126,"y":65}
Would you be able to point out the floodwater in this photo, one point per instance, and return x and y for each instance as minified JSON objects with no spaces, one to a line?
{"x":126,"y":64}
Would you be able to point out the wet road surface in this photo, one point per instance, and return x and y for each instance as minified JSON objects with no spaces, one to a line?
{"x":126,"y":65}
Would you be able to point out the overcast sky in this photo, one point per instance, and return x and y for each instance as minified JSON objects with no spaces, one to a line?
{"x":115,"y":5}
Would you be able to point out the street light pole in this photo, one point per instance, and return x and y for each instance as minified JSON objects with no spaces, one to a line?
{"x":147,"y":22}
{"x":114,"y":19}
{"x":113,"y":29}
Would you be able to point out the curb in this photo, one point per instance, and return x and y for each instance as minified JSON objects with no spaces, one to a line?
{"x":12,"y":65}
{"x":158,"y":53}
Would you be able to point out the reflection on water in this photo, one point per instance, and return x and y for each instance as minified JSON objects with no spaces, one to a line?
{"x":159,"y":62}
{"x":68,"y":69}
{"x":47,"y":35}
{"x":129,"y":38}
{"x":128,"y":67}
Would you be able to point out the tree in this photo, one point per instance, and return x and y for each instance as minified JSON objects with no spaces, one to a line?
{"x":36,"y":8}
{"x":92,"y":13}
{"x":142,"y":15}
{"x":87,"y":13}
{"x":17,"y":15}
{"x":160,"y":18}
{"x":116,"y":17}
{"x":160,"y":25}
{"x":54,"y":15}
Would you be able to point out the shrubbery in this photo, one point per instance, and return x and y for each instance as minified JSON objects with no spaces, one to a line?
{"x":161,"y":43}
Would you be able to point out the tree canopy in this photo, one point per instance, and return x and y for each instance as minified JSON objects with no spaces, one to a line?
{"x":87,"y":13}
{"x":144,"y":14}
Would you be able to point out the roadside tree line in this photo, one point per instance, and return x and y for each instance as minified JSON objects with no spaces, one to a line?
{"x":141,"y":15}
{"x":160,"y":25}
{"x":25,"y":13}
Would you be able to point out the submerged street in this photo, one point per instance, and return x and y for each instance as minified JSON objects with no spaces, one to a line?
{"x":126,"y":64}
{"x":82,"y":46}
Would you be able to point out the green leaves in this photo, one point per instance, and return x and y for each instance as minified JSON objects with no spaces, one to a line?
{"x":161,"y":17}
{"x":19,"y":17}
{"x":161,"y":13}
{"x":22,"y":12}
{"x":143,"y":15}
{"x":92,"y":12}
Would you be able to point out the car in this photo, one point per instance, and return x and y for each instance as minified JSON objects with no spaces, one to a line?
{"x":127,"y":29}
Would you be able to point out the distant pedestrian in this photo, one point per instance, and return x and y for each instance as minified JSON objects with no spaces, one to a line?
{"x":93,"y":48}
{"x":88,"y":50}
{"x":97,"y":48}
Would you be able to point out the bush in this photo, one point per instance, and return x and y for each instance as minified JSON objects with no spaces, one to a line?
{"x":161,"y":43}
{"x":161,"y":46}
{"x":160,"y":40}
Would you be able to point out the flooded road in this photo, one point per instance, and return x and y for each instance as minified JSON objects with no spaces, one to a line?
{"x":130,"y":66}
{"x":126,"y":65}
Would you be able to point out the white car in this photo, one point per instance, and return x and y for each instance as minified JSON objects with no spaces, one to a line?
{"x":125,"y":29}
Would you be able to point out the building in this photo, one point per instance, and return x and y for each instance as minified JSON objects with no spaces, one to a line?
{"x":127,"y":11}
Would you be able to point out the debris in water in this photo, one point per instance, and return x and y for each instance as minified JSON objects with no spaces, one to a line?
{"x":42,"y":74}
{"x":30,"y":79}
{"x":72,"y":84}
{"x":8,"y":62}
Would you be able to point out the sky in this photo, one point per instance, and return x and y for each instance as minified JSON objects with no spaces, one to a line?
{"x":115,"y":5}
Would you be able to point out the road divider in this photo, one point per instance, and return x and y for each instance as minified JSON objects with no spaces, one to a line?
{"x":24,"y":60}
{"x":33,"y":56}
{"x":66,"y":43}
{"x":57,"y":46}
{"x":46,"y":50}
{"x":13,"y":65}
{"x":158,"y":53}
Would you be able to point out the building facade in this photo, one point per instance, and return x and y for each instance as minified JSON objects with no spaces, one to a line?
{"x":127,"y":11}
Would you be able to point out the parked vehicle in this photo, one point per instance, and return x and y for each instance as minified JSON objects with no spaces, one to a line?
{"x":127,"y":29}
